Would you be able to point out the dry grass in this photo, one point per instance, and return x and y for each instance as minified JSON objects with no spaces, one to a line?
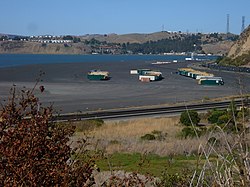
{"x":125,"y":136}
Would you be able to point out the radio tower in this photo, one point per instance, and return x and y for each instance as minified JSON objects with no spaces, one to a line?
{"x":243,"y":24}
{"x":227,"y":23}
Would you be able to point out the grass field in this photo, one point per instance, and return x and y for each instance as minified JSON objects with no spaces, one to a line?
{"x":147,"y":163}
{"x":125,"y":137}
{"x":168,"y":156}
{"x":123,"y":148}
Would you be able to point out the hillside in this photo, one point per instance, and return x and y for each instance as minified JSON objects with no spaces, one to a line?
{"x":242,"y":45}
{"x":222,"y":47}
{"x":134,"y":43}
{"x":239,"y":54}
{"x":131,"y":38}
{"x":23,"y":47}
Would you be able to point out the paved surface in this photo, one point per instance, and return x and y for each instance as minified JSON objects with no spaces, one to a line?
{"x":67,"y":87}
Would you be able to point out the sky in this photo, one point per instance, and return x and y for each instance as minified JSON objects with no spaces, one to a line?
{"x":80,"y":17}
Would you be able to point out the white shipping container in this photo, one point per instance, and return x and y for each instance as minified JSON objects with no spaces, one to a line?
{"x":133,"y":72}
{"x":152,"y":78}
{"x":203,"y":76}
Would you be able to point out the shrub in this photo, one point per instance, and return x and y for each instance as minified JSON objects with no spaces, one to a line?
{"x":159,"y":135}
{"x":223,"y":119}
{"x":215,"y":114}
{"x":34,"y":150}
{"x":189,"y":117}
{"x":178,"y":179}
{"x":192,"y":132}
{"x":148,"y":137}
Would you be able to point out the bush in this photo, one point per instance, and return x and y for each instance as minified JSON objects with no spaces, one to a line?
{"x":188,"y":117}
{"x":215,"y":114}
{"x":223,"y":119}
{"x":192,"y":132}
{"x":148,"y":137}
{"x":159,"y":135}
{"x":34,"y":150}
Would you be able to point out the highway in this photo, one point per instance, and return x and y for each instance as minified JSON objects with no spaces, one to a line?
{"x":130,"y":113}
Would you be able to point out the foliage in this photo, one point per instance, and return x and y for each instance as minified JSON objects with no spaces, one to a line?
{"x":159,"y":135}
{"x":148,"y":137}
{"x":155,"y":135}
{"x":68,"y":37}
{"x":152,"y":164}
{"x":34,"y":150}
{"x":214,"y":115}
{"x":223,"y":119}
{"x":181,"y":179}
{"x":175,"y":44}
{"x":189,"y":117}
{"x":192,"y":132}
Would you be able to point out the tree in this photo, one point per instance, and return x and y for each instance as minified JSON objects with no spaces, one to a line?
{"x":34,"y":150}
{"x":68,"y":37}
{"x":189,"y":117}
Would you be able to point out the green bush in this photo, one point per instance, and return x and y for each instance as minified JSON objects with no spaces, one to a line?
{"x":223,"y":119}
{"x":215,"y":114}
{"x":148,"y":137}
{"x":159,"y":135}
{"x":188,"y":117}
{"x":192,"y":132}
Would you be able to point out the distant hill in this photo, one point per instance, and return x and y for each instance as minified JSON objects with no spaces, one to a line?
{"x":131,"y":38}
{"x":213,"y":43}
{"x":21,"y":47}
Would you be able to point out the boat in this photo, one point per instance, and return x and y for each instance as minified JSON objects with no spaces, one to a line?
{"x":98,"y":75}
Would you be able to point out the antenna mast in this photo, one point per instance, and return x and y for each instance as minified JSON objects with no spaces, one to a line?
{"x":243,"y":24}
{"x":228,"y":23}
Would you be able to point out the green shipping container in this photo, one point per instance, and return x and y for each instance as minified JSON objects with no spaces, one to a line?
{"x":211,"y":82}
{"x":143,"y":71}
{"x":97,"y":77}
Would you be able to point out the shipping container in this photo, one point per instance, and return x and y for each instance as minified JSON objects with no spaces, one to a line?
{"x":211,"y":81}
{"x":143,"y":71}
{"x":133,"y":71}
{"x":98,"y":75}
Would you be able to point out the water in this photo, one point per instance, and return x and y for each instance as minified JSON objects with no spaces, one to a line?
{"x":8,"y":60}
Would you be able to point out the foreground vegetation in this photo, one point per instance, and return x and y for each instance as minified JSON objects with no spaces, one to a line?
{"x":35,"y":151}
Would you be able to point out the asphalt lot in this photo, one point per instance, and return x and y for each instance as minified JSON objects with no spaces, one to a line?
{"x":69,"y":90}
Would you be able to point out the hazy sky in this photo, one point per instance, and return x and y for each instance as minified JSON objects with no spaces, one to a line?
{"x":79,"y":17}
